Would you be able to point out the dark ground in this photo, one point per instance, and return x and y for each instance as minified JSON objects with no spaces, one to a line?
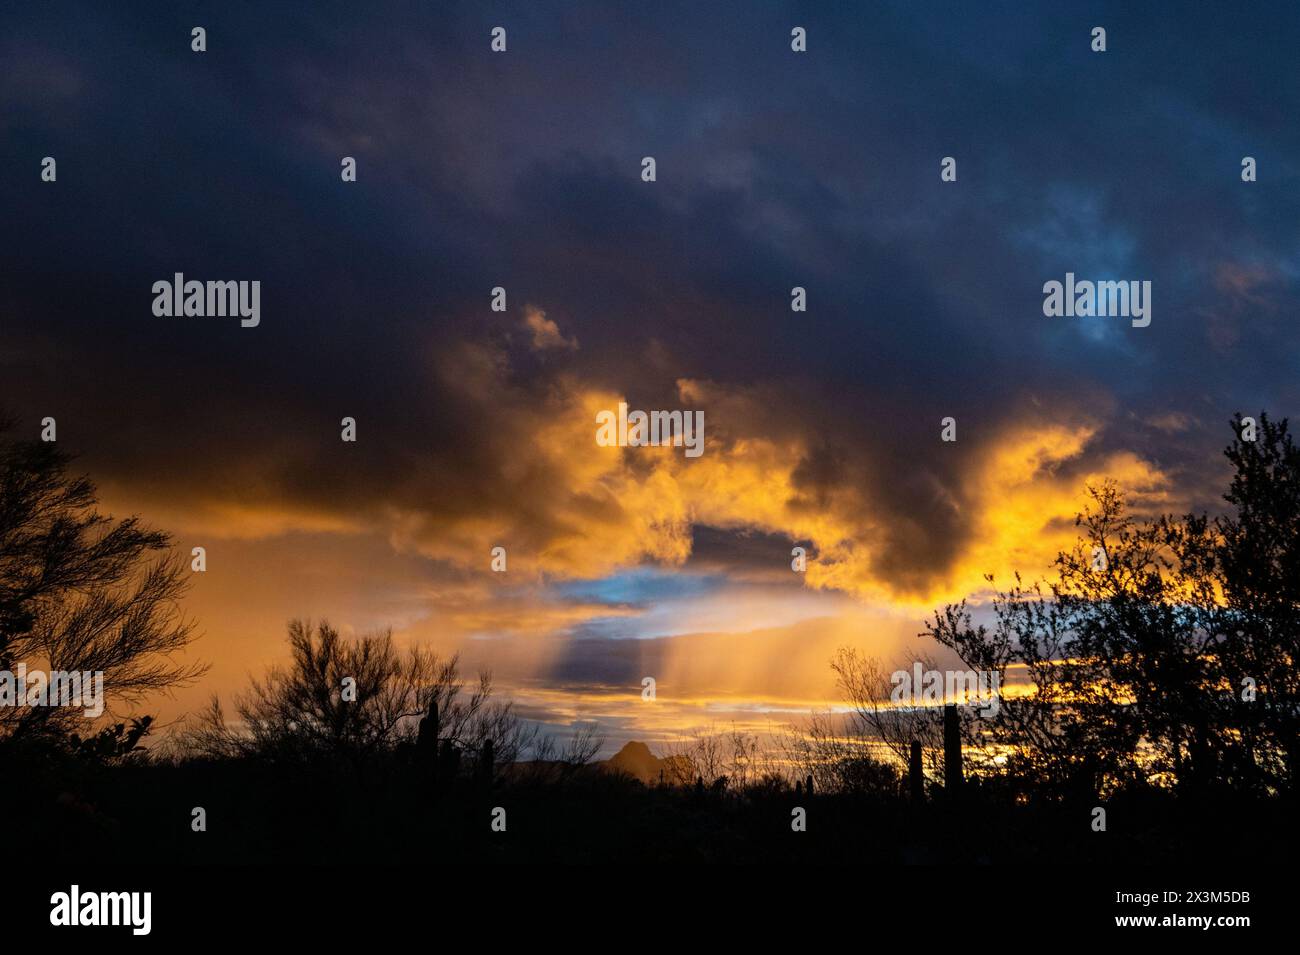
{"x":260,"y":814}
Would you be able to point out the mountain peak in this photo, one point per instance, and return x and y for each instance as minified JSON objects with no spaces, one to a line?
{"x":635,"y":760}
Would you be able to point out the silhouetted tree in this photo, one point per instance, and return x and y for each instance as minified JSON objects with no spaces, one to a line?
{"x":742,"y":757}
{"x":1111,"y":656}
{"x":80,"y":591}
{"x":838,"y":753}
{"x":868,"y":685}
{"x":549,"y":761}
{"x":1139,"y":653}
{"x":301,"y":711}
{"x":698,"y":755}
{"x":1257,"y":562}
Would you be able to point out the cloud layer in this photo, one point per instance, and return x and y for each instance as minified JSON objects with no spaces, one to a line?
{"x":522,"y":170}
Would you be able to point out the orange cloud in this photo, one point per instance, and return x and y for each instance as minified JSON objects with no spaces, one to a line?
{"x":546,"y":334}
{"x":565,"y":507}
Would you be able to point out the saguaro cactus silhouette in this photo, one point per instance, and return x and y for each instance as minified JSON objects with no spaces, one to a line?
{"x":915,"y":775}
{"x":448,"y":761}
{"x":426,"y":741}
{"x":951,"y":749}
{"x":485,"y":769}
{"x":426,"y":745}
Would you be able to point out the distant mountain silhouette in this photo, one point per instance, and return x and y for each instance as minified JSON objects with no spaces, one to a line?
{"x":636,"y":760}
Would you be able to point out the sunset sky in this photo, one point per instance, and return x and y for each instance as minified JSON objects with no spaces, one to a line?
{"x":522,"y":169}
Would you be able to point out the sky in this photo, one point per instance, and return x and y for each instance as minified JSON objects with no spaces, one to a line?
{"x":523,"y":170}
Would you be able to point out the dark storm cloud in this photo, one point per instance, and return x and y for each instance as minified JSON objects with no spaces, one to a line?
{"x":522,"y":170}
